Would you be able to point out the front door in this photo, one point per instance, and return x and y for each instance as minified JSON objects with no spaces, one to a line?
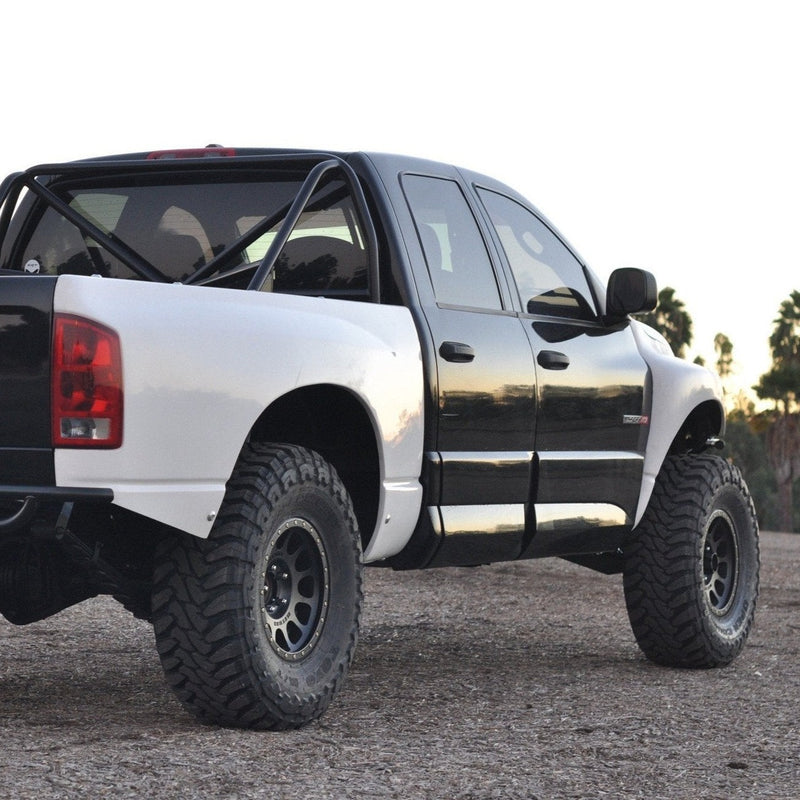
{"x":593,"y":395}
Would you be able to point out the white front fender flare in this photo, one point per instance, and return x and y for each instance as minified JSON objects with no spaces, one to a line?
{"x":678,"y":388}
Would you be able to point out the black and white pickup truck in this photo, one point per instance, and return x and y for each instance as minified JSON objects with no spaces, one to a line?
{"x":231,"y":378}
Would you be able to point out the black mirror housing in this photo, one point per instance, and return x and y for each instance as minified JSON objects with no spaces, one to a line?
{"x":630,"y":291}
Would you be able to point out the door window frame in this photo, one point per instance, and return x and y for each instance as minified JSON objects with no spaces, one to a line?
{"x":592,"y":295}
{"x":506,"y":292}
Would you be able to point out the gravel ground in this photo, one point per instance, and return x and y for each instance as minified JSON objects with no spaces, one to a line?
{"x":511,"y":681}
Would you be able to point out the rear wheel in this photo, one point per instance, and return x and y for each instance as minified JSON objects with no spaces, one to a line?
{"x":691,"y":570}
{"x":256,"y":625}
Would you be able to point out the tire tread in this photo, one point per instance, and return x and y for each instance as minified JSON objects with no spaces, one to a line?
{"x":199,"y":608}
{"x":663,"y":571}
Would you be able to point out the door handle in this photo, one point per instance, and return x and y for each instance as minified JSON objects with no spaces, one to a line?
{"x":552,"y":359}
{"x":457,"y":352}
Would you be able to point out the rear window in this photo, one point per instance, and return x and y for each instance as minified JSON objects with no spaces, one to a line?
{"x":178,"y":226}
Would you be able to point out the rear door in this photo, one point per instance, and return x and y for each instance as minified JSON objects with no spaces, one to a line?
{"x":484,"y":437}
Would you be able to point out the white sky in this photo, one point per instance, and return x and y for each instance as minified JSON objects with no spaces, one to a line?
{"x":665,"y":136}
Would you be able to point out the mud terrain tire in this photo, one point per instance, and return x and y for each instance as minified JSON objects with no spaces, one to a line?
{"x":691,"y":569}
{"x":256,"y":625}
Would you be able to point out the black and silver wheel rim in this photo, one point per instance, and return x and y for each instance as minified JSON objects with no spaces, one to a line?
{"x":295,"y":590}
{"x":720,"y":563}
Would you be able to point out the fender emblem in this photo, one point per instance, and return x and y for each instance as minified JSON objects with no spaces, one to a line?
{"x":635,"y":419}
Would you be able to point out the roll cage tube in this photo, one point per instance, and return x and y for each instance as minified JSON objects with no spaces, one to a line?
{"x":9,"y":191}
{"x":320,"y":165}
{"x":293,"y":217}
{"x":130,"y":257}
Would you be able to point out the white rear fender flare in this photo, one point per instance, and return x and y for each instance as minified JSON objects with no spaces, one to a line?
{"x":200,"y":365}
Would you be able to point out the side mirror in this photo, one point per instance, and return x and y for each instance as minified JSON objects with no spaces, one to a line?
{"x":629,"y":292}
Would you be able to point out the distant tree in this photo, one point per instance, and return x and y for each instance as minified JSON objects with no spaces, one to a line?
{"x":746,"y":448}
{"x":671,"y":319}
{"x":781,"y":384}
{"x":724,"y":365}
{"x":724,"y":349}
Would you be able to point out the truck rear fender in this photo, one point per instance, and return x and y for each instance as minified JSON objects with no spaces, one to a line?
{"x":206,"y":368}
{"x":686,"y":409}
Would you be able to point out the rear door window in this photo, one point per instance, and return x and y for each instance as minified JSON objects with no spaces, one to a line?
{"x":458,"y":262}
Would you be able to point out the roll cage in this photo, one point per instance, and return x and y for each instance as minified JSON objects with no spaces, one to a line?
{"x":315,"y":167}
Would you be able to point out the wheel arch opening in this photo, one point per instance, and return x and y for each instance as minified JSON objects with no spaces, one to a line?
{"x":335,"y":423}
{"x":706,"y":421}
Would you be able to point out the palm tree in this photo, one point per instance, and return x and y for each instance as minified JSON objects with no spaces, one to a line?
{"x":671,"y":319}
{"x":724,"y":348}
{"x":781,"y":384}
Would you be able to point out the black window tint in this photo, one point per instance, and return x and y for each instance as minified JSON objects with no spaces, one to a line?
{"x":179,"y":225}
{"x":458,"y":262}
{"x":175,"y":224}
{"x":325,"y":252}
{"x":550,"y":280}
{"x":57,"y":247}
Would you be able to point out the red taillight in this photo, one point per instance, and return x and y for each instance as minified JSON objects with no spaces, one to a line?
{"x":86,"y":384}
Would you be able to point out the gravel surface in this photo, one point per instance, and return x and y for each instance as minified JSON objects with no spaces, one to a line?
{"x":511,"y":681}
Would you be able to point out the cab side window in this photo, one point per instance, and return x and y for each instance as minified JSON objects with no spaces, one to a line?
{"x":458,"y":262}
{"x":550,"y":280}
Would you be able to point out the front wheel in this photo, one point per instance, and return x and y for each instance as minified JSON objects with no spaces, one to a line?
{"x":691,"y":569}
{"x":256,"y":625}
